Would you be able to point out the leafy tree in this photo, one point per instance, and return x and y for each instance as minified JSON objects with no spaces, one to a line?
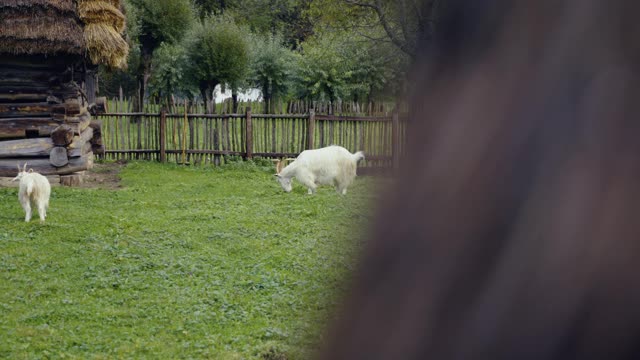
{"x":170,"y":73}
{"x":337,"y":66}
{"x":219,"y":54}
{"x":323,"y":74}
{"x":272,"y":68}
{"x":378,"y":70}
{"x":157,"y":22}
{"x":289,"y":18}
{"x":213,"y":7}
{"x":112,"y":80}
{"x":403,"y":22}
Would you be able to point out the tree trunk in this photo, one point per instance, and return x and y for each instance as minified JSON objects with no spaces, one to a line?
{"x":234,"y":99}
{"x":143,"y":79}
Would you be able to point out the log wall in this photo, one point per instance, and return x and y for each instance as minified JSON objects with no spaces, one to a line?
{"x":44,"y":116}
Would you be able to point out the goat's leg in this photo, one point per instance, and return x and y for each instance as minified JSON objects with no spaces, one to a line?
{"x":42,"y":211}
{"x":26,"y":205}
{"x":341,"y":187}
{"x":308,"y":180}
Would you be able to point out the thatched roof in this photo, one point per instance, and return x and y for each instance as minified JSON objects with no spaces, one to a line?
{"x":49,"y":27}
{"x":61,"y":27}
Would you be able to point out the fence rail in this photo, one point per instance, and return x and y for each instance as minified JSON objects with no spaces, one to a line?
{"x":204,"y":138}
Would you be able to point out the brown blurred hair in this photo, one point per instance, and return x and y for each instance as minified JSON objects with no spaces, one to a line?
{"x":513,"y":229}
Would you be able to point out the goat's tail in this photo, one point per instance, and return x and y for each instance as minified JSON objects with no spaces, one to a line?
{"x":30,"y":187}
{"x":358,"y":156}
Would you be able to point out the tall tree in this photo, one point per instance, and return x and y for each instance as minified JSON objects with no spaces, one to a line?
{"x":219,"y":55}
{"x":212,"y":7}
{"x":170,"y":73}
{"x":272,"y":68}
{"x":288,"y":18}
{"x":404,"y":22}
{"x":158,"y":21}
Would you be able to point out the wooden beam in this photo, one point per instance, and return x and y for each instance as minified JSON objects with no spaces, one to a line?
{"x":12,"y":133}
{"x":99,"y":107}
{"x":30,"y":109}
{"x":58,"y":156}
{"x":79,"y":141}
{"x":25,"y":148}
{"x":72,"y":107}
{"x":62,"y":135}
{"x":16,"y":127}
{"x":248,"y":136}
{"x":311,"y":128}
{"x":42,"y":165}
{"x":54,"y":180}
{"x":79,"y":123}
{"x":21,"y":97}
{"x":86,"y":148}
{"x":96,"y":141}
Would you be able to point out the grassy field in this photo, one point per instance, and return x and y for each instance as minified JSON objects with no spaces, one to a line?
{"x":178,"y":262}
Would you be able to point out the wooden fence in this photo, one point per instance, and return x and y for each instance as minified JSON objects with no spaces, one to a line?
{"x":293,"y":107}
{"x":204,"y":138}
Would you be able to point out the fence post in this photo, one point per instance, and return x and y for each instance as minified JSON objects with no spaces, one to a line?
{"x":248,"y":135}
{"x":395,"y":139}
{"x":163,"y":132}
{"x":311,"y":128}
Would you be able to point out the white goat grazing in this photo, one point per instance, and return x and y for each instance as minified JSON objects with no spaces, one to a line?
{"x":331,"y":165}
{"x":34,"y":188}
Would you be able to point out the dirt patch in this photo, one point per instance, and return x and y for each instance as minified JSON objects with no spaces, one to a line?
{"x":104,"y":176}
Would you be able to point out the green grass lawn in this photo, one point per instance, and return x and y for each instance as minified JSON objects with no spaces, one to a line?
{"x":181,"y":262}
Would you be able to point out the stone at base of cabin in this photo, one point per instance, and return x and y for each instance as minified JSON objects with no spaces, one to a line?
{"x":76,"y":179}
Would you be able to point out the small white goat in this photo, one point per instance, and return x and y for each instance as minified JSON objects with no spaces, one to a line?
{"x":34,"y":188}
{"x":331,"y":165}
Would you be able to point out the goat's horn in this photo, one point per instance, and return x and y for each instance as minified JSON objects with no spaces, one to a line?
{"x":278,"y":166}
{"x":25,"y":167}
{"x":18,"y":165}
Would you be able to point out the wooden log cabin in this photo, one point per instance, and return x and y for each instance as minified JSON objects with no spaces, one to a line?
{"x":49,"y":50}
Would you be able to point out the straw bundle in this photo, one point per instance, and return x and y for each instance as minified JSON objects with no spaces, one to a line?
{"x":101,"y":12}
{"x":104,"y":25}
{"x":106,"y":46}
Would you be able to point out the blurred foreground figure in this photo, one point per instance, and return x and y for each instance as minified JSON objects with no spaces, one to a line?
{"x":515,"y":230}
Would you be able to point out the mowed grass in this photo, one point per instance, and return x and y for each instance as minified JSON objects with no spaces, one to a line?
{"x":181,"y":262}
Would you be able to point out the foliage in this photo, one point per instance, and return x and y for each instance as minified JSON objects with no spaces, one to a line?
{"x":336,"y":66}
{"x":272,"y":66}
{"x":218,"y":53}
{"x":401,"y":23}
{"x":111,"y":80}
{"x":161,"y":21}
{"x":271,"y":17}
{"x":169,"y":74}
{"x":212,"y":7}
{"x":342,"y":49}
{"x":182,"y":262}
{"x":379,"y":70}
{"x":323,"y":75}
